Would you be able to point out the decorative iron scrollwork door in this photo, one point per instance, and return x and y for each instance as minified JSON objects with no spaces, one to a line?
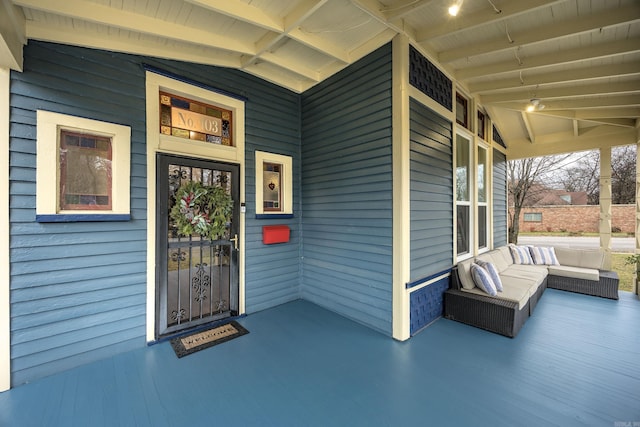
{"x":197,"y":277}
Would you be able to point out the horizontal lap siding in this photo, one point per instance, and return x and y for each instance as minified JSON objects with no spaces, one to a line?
{"x":347,"y":192}
{"x":499,"y":199}
{"x":78,"y":290}
{"x":431,"y":192}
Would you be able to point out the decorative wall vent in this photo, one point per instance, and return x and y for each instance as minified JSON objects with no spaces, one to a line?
{"x":427,"y":78}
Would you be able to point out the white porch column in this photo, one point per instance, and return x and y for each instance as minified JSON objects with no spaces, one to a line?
{"x":5,"y":316}
{"x":637,"y":289}
{"x":605,"y":205}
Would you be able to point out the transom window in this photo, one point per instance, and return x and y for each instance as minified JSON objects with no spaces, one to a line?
{"x":462,"y":110}
{"x":195,"y":120}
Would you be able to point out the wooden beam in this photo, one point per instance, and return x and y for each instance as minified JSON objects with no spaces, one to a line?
{"x":137,"y":23}
{"x":464,"y":21}
{"x":533,"y":80}
{"x":580,"y":103}
{"x":555,"y":31}
{"x":403,"y":8}
{"x":628,"y":87}
{"x":528,"y":127}
{"x":602,"y":50}
{"x":243,"y":12}
{"x":12,"y":36}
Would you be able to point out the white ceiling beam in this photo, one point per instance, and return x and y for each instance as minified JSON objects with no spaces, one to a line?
{"x":554,"y":77}
{"x":137,"y":23}
{"x":375,"y":9}
{"x":242,"y":12}
{"x":319,"y":44}
{"x":403,"y":8}
{"x":580,"y":103}
{"x":465,"y":21}
{"x":549,"y":59}
{"x":53,"y":33}
{"x":631,"y":87}
{"x":12,"y":36}
{"x":528,"y":127}
{"x":566,"y":142}
{"x":291,"y":65}
{"x":554,"y":31}
{"x":609,"y":118}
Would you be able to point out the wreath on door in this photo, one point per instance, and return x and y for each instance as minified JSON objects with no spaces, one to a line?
{"x":203,"y":210}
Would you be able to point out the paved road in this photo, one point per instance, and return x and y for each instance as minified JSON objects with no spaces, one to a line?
{"x":618,"y":244}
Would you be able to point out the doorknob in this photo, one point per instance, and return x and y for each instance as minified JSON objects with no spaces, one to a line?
{"x":235,"y":242}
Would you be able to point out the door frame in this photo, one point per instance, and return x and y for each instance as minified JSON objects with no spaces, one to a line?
{"x":167,"y":144}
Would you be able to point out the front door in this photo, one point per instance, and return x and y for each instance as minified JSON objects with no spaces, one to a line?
{"x":197,"y":278}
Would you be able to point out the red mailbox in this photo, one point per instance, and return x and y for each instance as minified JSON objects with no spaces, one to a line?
{"x":275,"y":234}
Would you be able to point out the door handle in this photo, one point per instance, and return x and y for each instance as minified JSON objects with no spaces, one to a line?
{"x":235,"y":242}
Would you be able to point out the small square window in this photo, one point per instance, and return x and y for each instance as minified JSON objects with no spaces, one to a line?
{"x":85,"y":171}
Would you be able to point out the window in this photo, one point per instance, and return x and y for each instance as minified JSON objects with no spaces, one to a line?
{"x":190,"y":119}
{"x":482,"y":197}
{"x":533,"y":217}
{"x":463,"y":193}
{"x":85,"y":171}
{"x":274,"y":185}
{"x":482,"y":125}
{"x":82,"y":170}
{"x":462,"y":110}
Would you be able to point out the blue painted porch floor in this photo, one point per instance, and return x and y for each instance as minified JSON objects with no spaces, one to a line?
{"x":575,"y":362}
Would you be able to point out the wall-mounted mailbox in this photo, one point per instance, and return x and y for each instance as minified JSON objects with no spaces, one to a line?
{"x":275,"y":234}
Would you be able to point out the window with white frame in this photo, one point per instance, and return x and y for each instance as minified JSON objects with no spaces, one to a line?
{"x":83,"y":169}
{"x":482,"y":191}
{"x":463,"y":195}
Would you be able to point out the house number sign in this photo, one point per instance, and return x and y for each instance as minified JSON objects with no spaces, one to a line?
{"x":195,"y":120}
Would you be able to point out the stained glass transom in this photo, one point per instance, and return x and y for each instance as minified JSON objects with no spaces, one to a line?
{"x":194,"y":120}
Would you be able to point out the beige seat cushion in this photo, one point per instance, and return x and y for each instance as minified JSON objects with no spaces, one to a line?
{"x":495,"y":258}
{"x":517,"y":292}
{"x":575,"y":272}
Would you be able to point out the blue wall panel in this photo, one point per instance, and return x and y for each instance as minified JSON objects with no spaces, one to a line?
{"x":427,"y":304}
{"x":78,"y":290}
{"x":431,"y":158}
{"x":347,"y":192}
{"x":499,"y":199}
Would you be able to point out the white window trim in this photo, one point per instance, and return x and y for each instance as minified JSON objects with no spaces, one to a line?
{"x":471,"y":228}
{"x":159,"y":143}
{"x":47,"y":165}
{"x":487,"y":181}
{"x":287,"y":182}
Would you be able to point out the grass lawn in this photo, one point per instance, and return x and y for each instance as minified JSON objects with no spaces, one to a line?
{"x":625,"y":272}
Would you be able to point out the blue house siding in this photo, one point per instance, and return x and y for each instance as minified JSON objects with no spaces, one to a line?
{"x":499,"y":199}
{"x":347,"y":192}
{"x":78,"y":290}
{"x":431,"y":175}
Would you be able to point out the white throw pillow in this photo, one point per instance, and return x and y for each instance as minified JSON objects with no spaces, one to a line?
{"x":493,"y":272}
{"x":483,"y":280}
{"x":520,"y":254}
{"x":544,"y":256}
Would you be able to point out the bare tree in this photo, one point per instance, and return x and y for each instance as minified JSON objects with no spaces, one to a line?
{"x":524,"y":185}
{"x":623,"y":175}
{"x":583,"y":174}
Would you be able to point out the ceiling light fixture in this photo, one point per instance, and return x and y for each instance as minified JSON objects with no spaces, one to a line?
{"x":534,"y":105}
{"x":455,"y":8}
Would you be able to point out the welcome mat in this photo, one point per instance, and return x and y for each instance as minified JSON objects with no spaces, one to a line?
{"x":186,"y":345}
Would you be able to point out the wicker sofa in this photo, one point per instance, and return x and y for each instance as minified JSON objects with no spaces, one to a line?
{"x":579,"y":270}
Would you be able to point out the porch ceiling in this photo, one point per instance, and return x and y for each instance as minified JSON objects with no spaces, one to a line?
{"x":581,"y":58}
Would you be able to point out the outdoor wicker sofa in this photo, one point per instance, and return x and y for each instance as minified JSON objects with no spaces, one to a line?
{"x":576,"y":270}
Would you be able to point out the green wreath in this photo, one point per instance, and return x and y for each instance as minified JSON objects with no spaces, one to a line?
{"x":203,"y":210}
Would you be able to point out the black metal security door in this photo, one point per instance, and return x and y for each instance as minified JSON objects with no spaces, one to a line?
{"x":197,"y":278}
